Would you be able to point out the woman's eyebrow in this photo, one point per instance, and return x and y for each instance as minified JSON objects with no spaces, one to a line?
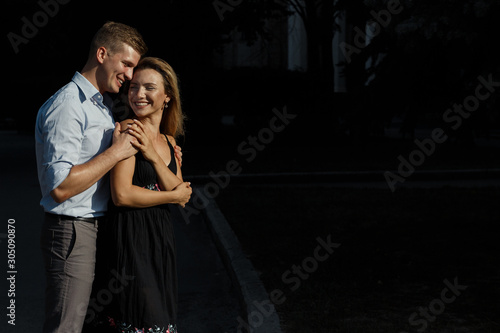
{"x":144,"y":84}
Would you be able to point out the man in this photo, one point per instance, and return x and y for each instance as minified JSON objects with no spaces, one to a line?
{"x":77,"y":143}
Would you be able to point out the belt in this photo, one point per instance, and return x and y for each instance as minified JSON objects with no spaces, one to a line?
{"x":72,"y":218}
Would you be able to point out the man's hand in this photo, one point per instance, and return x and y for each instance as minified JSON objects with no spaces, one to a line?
{"x":178,"y":154}
{"x":122,"y":143}
{"x":82,"y":176}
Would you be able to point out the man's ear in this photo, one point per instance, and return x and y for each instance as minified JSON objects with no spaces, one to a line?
{"x":101,"y":54}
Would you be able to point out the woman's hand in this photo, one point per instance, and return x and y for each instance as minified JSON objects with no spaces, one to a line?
{"x":144,"y":142}
{"x":183,"y":192}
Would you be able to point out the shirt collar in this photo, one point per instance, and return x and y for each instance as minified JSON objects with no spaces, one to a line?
{"x":90,"y":92}
{"x":85,"y":86}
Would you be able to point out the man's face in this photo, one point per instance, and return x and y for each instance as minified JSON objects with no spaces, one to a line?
{"x":118,"y":67}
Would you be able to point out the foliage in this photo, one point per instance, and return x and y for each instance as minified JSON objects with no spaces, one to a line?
{"x":434,"y":51}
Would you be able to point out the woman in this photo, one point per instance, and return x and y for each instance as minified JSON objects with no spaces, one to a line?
{"x":138,"y":242}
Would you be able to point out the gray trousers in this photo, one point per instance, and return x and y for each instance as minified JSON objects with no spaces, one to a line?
{"x":68,"y":249}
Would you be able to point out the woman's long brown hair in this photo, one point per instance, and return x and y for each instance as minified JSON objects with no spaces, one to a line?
{"x":172,"y":121}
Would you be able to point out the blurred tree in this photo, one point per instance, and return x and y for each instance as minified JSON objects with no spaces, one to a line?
{"x":430,"y":56}
{"x":251,"y":18}
{"x":318,"y":18}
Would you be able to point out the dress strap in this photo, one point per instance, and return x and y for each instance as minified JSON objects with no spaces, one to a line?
{"x":168,"y":141}
{"x":172,"y":165}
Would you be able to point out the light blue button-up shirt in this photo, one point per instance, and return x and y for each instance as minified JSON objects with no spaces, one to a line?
{"x":72,"y":127}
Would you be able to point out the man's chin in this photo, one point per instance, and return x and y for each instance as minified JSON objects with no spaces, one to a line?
{"x":114,"y":89}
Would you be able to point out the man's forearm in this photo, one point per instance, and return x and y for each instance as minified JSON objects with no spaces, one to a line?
{"x":83,"y":176}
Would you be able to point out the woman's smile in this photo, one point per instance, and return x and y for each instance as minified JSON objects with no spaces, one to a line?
{"x":141,"y":105}
{"x":146,"y":91}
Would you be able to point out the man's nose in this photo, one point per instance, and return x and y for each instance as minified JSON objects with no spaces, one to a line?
{"x":129,"y":73}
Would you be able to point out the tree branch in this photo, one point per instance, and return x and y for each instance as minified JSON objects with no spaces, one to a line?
{"x":301,"y":10}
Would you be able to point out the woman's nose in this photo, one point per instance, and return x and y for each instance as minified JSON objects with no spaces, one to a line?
{"x":141,"y":92}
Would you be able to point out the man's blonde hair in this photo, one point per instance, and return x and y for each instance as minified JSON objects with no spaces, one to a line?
{"x":113,"y":35}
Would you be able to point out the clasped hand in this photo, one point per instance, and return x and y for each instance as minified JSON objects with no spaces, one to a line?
{"x":144,"y":143}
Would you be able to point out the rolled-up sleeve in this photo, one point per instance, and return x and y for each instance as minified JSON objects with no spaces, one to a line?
{"x":62,"y":135}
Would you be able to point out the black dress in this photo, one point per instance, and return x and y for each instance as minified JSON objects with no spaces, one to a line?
{"x":140,"y":262}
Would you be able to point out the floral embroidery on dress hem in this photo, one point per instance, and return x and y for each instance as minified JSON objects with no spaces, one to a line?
{"x":152,"y":187}
{"x":123,"y":327}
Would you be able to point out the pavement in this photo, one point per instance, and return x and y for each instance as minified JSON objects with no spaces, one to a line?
{"x":208,"y":299}
{"x":217,"y":284}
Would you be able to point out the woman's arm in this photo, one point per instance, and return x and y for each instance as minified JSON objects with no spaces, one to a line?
{"x":166,"y":178}
{"x":124,"y":193}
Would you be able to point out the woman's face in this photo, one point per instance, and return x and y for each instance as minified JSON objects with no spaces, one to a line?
{"x":146,"y":94}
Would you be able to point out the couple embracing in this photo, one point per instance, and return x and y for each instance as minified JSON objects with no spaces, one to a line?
{"x":117,"y":178}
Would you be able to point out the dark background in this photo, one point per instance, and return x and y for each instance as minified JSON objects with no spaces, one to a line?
{"x":405,"y":242}
{"x":434,"y":52}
